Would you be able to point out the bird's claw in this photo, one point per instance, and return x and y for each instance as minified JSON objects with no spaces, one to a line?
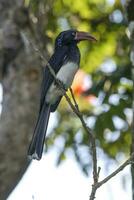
{"x":60,"y":84}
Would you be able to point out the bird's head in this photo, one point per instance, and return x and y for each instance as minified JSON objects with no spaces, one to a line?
{"x":72,"y":36}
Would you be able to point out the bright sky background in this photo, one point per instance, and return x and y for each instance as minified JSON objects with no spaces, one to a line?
{"x":43,"y":181}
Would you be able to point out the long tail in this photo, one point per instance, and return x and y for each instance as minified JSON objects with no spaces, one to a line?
{"x":36,"y":147}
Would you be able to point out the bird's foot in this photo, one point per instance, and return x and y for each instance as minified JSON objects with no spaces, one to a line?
{"x":60,"y":84}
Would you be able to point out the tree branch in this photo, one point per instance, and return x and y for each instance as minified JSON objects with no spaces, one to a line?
{"x":119,"y":169}
{"x":91,"y":136}
{"x":130,"y":160}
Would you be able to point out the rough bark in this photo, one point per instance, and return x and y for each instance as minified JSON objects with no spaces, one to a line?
{"x":20,"y":74}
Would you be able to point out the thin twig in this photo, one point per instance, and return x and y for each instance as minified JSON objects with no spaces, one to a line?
{"x":92,"y":138}
{"x":119,"y":169}
{"x":75,"y":103}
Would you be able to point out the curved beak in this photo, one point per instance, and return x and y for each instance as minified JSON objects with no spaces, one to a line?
{"x":80,"y":35}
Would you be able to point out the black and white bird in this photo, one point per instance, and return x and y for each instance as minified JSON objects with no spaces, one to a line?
{"x":65,"y":63}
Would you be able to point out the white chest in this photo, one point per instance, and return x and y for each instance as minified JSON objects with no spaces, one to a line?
{"x":67,"y":72}
{"x":65,"y":75}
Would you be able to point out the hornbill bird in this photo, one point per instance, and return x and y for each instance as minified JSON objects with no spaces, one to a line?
{"x":65,"y":63}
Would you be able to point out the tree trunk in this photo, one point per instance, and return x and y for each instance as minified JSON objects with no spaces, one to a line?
{"x":20,"y":74}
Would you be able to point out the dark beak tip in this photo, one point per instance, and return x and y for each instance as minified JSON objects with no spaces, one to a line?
{"x":95,"y":40}
{"x":92,"y":38}
{"x":80,"y":35}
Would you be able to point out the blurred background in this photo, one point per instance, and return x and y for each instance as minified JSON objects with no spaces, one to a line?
{"x":103,"y":88}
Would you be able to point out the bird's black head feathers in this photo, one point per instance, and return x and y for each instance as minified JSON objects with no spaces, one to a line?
{"x":72,"y":36}
{"x":65,"y":38}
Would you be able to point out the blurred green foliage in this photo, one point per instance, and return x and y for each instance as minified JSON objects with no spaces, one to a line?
{"x":110,"y":118}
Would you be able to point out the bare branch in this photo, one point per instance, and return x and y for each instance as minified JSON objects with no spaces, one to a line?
{"x":91,"y":136}
{"x":75,"y":103}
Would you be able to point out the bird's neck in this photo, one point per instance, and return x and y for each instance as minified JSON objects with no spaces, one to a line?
{"x":73,"y":53}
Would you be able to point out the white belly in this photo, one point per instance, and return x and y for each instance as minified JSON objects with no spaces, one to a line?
{"x":67,"y":72}
{"x":65,"y":75}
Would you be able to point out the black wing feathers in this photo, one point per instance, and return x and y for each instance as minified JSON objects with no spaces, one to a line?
{"x":56,"y":61}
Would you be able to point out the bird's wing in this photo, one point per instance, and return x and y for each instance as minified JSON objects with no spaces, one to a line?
{"x":56,"y":61}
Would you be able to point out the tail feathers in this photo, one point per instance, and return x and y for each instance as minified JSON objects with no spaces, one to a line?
{"x":37,"y":143}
